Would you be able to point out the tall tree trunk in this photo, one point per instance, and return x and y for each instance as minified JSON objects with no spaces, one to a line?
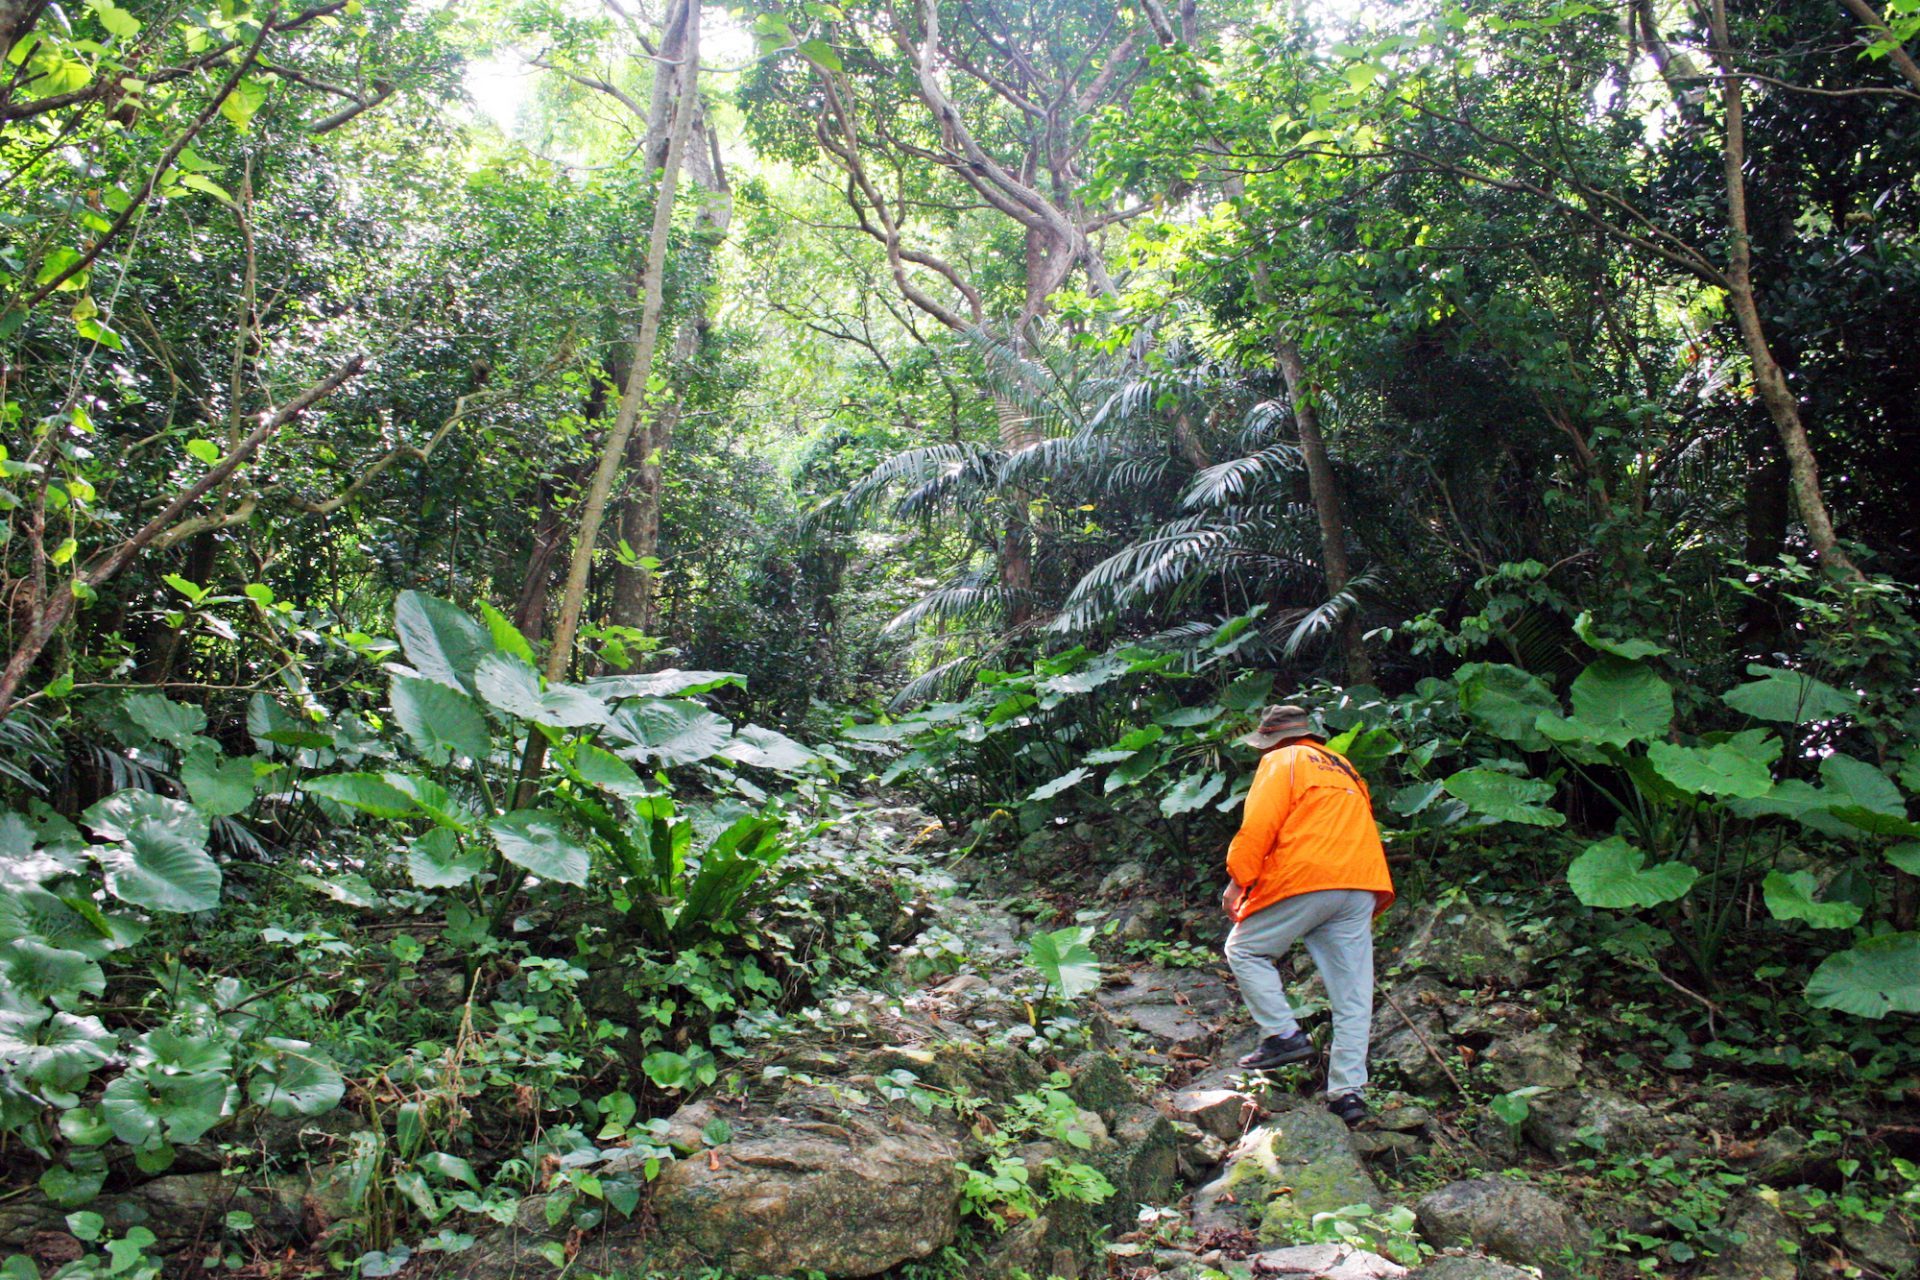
{"x":635,"y":602}
{"x":1016,"y":542}
{"x":685,"y":74}
{"x":1768,"y":379}
{"x":1325,"y":489}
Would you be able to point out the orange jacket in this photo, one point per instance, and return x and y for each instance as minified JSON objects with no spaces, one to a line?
{"x":1308,"y":825}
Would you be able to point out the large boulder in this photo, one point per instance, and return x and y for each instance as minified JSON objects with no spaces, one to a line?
{"x":1407,"y":1022}
{"x":810,"y":1198}
{"x":1185,"y":1007}
{"x":1762,"y":1235}
{"x":1511,"y":1220}
{"x":1281,"y":1173}
{"x":1570,"y":1121}
{"x":1326,"y":1262}
{"x":1468,"y":1267}
{"x":1464,"y":943}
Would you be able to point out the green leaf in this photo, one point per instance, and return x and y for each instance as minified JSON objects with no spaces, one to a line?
{"x":765,"y":748}
{"x":240,"y":106}
{"x":535,"y":840}
{"x":218,"y":785}
{"x":23,"y":861}
{"x":821,"y":54}
{"x":367,"y":792}
{"x":1860,"y":795}
{"x":204,"y":450}
{"x":158,"y":855}
{"x":1191,"y":792}
{"x":67,"y":1188}
{"x":1877,"y":977}
{"x":118,"y":22}
{"x":505,"y":636}
{"x":662,"y":684}
{"x":669,"y":731}
{"x":1065,"y":782}
{"x":271,"y":725}
{"x":511,"y":686}
{"x":436,"y":861}
{"x":292,"y":1079}
{"x":1615,"y":702}
{"x":1789,"y":697}
{"x":1631,"y":650}
{"x":440,"y":720}
{"x":57,"y":1051}
{"x":451,"y":1168}
{"x":35,"y":972}
{"x":1789,"y":896}
{"x":1065,"y":961}
{"x":441,"y":642}
{"x":174,"y":723}
{"x":1614,"y":874}
{"x":1738,"y":767}
{"x":1505,"y":797}
{"x":147,"y":1106}
{"x":598,"y":767}
{"x":1906,"y":856}
{"x":1134,"y":769}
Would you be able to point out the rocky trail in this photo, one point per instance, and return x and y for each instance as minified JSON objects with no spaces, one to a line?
{"x":953,"y":1125}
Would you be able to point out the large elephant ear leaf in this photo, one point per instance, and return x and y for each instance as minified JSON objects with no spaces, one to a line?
{"x":1860,"y":795}
{"x":23,"y":860}
{"x":535,"y":840}
{"x":163,"y":719}
{"x":1625,"y":701}
{"x":670,"y":731}
{"x":441,"y":642}
{"x":436,"y":860}
{"x":511,"y":686}
{"x":440,"y":720}
{"x":1065,"y":961}
{"x":294,"y":1079}
{"x":1615,"y":875}
{"x":1505,"y":797}
{"x":1878,"y":977}
{"x":1789,"y":697}
{"x":33,"y":971}
{"x":157,"y":855}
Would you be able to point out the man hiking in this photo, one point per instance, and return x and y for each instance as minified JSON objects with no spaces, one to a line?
{"x":1307,"y":866}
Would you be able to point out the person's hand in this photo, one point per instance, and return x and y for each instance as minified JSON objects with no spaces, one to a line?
{"x":1230,"y":897}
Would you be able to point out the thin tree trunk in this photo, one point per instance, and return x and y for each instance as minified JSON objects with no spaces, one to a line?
{"x":1016,"y":544}
{"x":613,"y":451}
{"x":1325,"y":489}
{"x":1768,"y":379}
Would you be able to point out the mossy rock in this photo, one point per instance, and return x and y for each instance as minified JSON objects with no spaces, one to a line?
{"x":1280,"y":1174}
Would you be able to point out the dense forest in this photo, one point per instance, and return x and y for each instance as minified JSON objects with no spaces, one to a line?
{"x":626,"y":627}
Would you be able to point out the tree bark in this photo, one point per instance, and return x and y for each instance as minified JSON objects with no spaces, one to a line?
{"x":1768,"y":379}
{"x":1325,"y":488}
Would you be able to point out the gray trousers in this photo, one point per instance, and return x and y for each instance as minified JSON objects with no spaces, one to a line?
{"x":1337,"y":926}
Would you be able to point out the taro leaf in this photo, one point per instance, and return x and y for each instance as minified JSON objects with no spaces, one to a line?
{"x":292,"y":1079}
{"x":55,"y":1051}
{"x":1190,"y":717}
{"x":765,"y":748}
{"x":367,"y":792}
{"x":1789,"y":697}
{"x":1133,"y":769}
{"x":431,"y":799}
{"x":1506,"y":702}
{"x":1191,"y":792}
{"x":174,"y":723}
{"x":1735,"y":768}
{"x":436,"y":861}
{"x":350,"y":887}
{"x":1878,"y":977}
{"x":1906,"y":856}
{"x":86,"y":1127}
{"x":1248,"y":690}
{"x":271,"y":725}
{"x":158,"y":858}
{"x":441,"y":642}
{"x":177,"y":1054}
{"x":1087,"y":679}
{"x":1614,"y":874}
{"x":599,"y":767}
{"x":670,"y":731}
{"x":1632,"y":650}
{"x":1505,"y":797}
{"x":662,"y":684}
{"x":441,"y":721}
{"x":34,"y":913}
{"x":1616,"y":702}
{"x":1415,"y":797}
{"x":1065,"y":782}
{"x":1789,"y":896}
{"x":145,"y":1106}
{"x":535,"y":840}
{"x":1861,"y":796}
{"x":67,"y":1188}
{"x":668,"y":1070}
{"x":218,"y":784}
{"x":35,"y":971}
{"x":22,"y":862}
{"x":511,"y":686}
{"x":1065,"y":961}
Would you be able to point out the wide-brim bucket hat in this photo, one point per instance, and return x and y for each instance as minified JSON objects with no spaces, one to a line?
{"x":1277,"y":724}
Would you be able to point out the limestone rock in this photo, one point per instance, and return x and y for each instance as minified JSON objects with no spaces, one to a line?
{"x":1569,"y":1121}
{"x":1762,"y":1230}
{"x":803,"y":1199}
{"x":1123,"y":879}
{"x":1885,"y":1246}
{"x":1280,"y":1174}
{"x":1144,"y":1166}
{"x":1397,"y":1048}
{"x":1224,"y":1113}
{"x":1099,"y":1084}
{"x":1544,"y":1058}
{"x":1464,"y":943}
{"x":1180,"y":1006}
{"x":1468,"y":1267}
{"x":1512,"y":1220}
{"x":1326,"y":1262}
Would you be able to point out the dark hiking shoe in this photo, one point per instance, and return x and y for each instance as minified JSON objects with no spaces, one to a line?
{"x":1350,"y":1107}
{"x":1278,"y":1051}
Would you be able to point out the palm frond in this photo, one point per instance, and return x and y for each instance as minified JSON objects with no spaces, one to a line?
{"x":1237,"y":478}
